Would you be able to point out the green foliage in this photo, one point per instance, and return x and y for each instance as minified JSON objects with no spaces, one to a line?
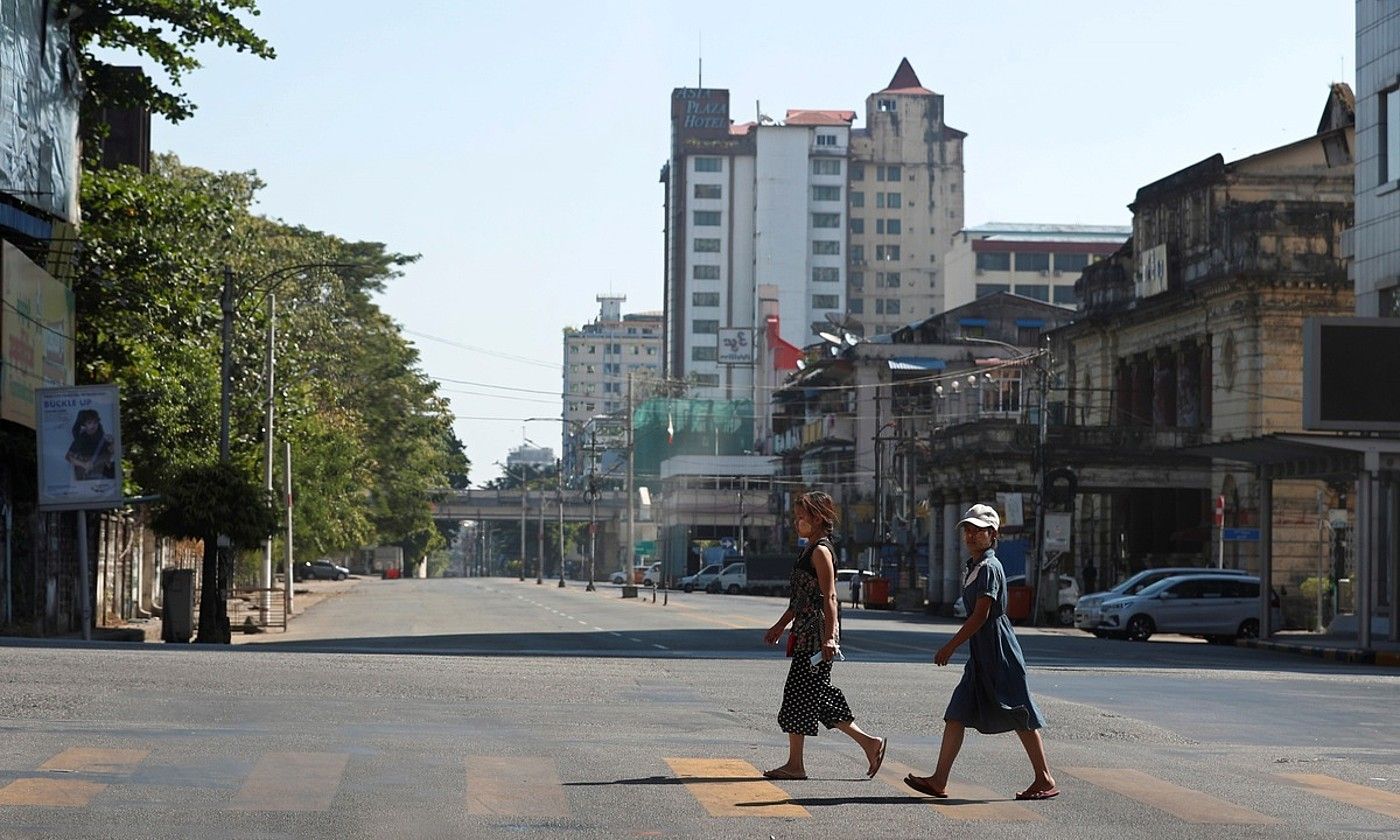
{"x":206,"y":500}
{"x":166,"y":31}
{"x":371,"y":439}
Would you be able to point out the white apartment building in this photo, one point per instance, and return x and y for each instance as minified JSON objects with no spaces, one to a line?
{"x":597,"y":360}
{"x":1040,"y":261}
{"x":1375,"y":239}
{"x":906,"y":201}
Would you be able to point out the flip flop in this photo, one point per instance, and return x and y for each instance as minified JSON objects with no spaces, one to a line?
{"x":923,"y":786}
{"x":879,"y":759}
{"x":785,"y":775}
{"x":1049,"y":793}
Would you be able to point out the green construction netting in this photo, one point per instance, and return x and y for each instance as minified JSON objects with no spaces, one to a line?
{"x":701,"y":427}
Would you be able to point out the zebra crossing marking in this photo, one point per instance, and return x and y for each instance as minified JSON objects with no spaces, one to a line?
{"x":515,"y":786}
{"x":1186,"y":804}
{"x":723,"y":787}
{"x":71,"y":793}
{"x":966,"y":802}
{"x":1382,"y":802}
{"x":292,"y":781}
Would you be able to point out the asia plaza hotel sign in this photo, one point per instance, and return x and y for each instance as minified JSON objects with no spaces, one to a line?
{"x":700,"y":123}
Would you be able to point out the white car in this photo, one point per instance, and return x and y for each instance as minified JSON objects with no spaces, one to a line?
{"x":1218,"y":607}
{"x":843,"y":583}
{"x":1069,"y":594}
{"x":1087,"y":610}
{"x":700,"y":579}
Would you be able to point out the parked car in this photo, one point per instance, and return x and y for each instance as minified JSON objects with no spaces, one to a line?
{"x":700,"y":579}
{"x":320,"y":570}
{"x":843,"y":583}
{"x":1218,"y":607}
{"x":1087,"y":610}
{"x":650,"y":575}
{"x":732,"y":579}
{"x":1069,"y":595}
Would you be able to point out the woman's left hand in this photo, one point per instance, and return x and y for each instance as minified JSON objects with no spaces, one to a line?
{"x":828,"y":650}
{"x":944,"y":654}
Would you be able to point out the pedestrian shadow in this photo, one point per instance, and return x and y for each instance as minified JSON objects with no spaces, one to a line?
{"x":669,"y":780}
{"x":828,"y":801}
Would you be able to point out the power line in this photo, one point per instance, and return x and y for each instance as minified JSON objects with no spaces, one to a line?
{"x":498,"y":354}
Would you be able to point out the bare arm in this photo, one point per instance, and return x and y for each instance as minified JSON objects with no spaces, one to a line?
{"x":772,"y":634}
{"x":826,"y":580}
{"x":974,"y":622}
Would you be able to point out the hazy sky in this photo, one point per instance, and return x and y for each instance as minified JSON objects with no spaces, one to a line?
{"x":516,"y":146}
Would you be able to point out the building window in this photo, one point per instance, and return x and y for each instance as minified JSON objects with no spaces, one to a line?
{"x":1390,"y":135}
{"x":856,"y":279}
{"x":894,"y":200}
{"x":1028,"y":336}
{"x":857,"y":253}
{"x":707,"y":218}
{"x":887,"y":279}
{"x":826,"y":274}
{"x":709,"y":191}
{"x":1003,"y":394}
{"x":1071,"y":262}
{"x":704,"y":354}
{"x":709,"y":164}
{"x":884,"y":105}
{"x":1039,"y":291}
{"x":857,"y":199}
{"x":985,"y":289}
{"x":994,"y":261}
{"x":826,"y":220}
{"x":826,"y":247}
{"x":704,"y":299}
{"x":826,"y":166}
{"x":707,"y":380}
{"x":704,"y":272}
{"x":887,"y":173}
{"x":704,"y":327}
{"x":888,"y":253}
{"x":856,"y":306}
{"x":890,"y":226}
{"x":826,"y":301}
{"x":1032,"y":261}
{"x":821,"y":192}
{"x":826,"y":139}
{"x":1064,"y":295}
{"x":857,"y":226}
{"x":857,"y":172}
{"x":887,"y":306}
{"x":707,"y":246}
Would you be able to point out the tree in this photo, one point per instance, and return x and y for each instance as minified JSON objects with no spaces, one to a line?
{"x":166,"y":31}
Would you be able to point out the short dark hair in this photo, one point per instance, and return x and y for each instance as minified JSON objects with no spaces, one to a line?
{"x":819,"y":506}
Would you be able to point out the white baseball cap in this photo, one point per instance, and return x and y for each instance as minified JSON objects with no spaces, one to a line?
{"x":981,"y":516}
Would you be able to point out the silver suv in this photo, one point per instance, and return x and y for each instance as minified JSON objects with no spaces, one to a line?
{"x":1219,"y":607}
{"x":1087,"y":613}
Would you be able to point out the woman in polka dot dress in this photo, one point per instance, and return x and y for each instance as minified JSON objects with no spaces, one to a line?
{"x":808,"y":695}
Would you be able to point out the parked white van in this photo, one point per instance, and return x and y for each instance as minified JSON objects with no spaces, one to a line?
{"x":1218,"y":607}
{"x":1086,"y":610}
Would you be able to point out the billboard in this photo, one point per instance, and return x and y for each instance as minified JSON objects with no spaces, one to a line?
{"x":735,"y":346}
{"x":80,"y":448}
{"x":1351,"y":374}
{"x":1152,"y":271}
{"x":36,"y":330}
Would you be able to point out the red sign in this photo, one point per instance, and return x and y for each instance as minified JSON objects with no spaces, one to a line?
{"x":1219,"y":510}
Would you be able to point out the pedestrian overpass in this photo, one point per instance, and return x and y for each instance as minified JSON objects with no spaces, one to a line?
{"x":485,"y":504}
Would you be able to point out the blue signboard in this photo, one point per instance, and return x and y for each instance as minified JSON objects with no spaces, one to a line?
{"x":1241,"y":535}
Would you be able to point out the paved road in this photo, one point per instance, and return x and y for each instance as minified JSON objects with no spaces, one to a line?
{"x":494,"y":708}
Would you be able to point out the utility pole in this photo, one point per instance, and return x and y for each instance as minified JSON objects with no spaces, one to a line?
{"x":743,"y":485}
{"x":592,"y":506}
{"x":539,"y":546}
{"x":1038,"y":557}
{"x":559,"y":491}
{"x":524,"y":505}
{"x":631,"y":546}
{"x":287,"y":606}
{"x":270,"y":408}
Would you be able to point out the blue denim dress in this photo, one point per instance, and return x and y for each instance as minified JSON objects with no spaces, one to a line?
{"x":992,"y":696}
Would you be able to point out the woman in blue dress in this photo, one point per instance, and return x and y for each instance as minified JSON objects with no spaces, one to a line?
{"x":992,"y":696}
{"x":809,"y":697}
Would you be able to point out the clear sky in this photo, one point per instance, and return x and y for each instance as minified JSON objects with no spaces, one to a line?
{"x":517,"y":146}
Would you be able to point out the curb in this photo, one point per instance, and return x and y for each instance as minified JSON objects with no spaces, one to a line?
{"x":1348,"y":655}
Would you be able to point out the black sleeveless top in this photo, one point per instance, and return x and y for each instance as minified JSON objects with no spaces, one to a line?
{"x":805,"y":600}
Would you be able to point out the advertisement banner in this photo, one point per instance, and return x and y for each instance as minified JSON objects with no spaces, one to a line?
{"x":735,"y":346}
{"x":36,"y":330}
{"x":80,"y":448}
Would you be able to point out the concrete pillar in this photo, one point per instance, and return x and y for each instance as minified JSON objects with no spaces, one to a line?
{"x":1266,"y":553}
{"x":952,"y":557}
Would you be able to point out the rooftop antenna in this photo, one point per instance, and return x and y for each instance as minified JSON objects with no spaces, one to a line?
{"x":700,"y":61}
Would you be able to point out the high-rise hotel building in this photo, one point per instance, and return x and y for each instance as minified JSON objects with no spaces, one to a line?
{"x":803,"y":212}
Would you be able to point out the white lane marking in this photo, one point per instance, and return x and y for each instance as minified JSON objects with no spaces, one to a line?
{"x":663,"y":647}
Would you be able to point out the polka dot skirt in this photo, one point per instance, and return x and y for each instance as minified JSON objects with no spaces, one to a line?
{"x":809,"y":697}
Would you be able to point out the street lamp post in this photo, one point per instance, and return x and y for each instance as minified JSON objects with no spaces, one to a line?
{"x":559,"y":491}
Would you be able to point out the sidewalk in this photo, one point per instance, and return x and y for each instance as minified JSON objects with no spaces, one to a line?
{"x":306,"y":594}
{"x":1334,"y":648}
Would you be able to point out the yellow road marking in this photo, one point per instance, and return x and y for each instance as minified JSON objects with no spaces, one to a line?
{"x":1382,"y":802}
{"x":723,"y":787}
{"x":515,"y":786}
{"x":1186,"y":804}
{"x":292,"y":781}
{"x":965,"y":802}
{"x":71,"y":793}
{"x":86,"y":760}
{"x":57,"y":793}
